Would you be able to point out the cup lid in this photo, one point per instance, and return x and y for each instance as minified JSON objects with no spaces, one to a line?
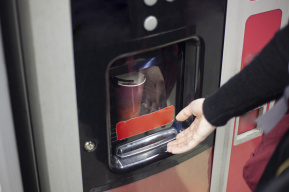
{"x":131,"y":79}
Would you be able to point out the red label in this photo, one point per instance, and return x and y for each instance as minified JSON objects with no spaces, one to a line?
{"x":145,"y":123}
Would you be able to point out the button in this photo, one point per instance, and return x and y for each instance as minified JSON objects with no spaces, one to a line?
{"x":150,"y":23}
{"x":150,"y":2}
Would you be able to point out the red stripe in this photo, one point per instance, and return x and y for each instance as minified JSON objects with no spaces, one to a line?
{"x":145,"y":123}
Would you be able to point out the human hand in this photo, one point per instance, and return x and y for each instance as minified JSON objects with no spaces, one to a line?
{"x":154,"y":90}
{"x":195,"y":133}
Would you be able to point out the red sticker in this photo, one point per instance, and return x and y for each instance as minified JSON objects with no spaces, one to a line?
{"x":145,"y":123}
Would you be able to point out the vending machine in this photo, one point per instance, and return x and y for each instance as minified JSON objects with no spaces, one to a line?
{"x":90,"y":90}
{"x":10,"y":177}
{"x":96,"y":86}
{"x":137,"y":64}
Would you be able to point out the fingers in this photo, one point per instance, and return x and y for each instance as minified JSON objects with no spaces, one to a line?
{"x":194,"y":108}
{"x":161,"y":94}
{"x":154,"y":107}
{"x":184,"y":114}
{"x":146,"y":106}
{"x":191,"y":137}
{"x":185,"y":140}
{"x":182,"y":145}
{"x":186,"y":132}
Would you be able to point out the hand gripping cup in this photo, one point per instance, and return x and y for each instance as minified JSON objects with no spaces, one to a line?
{"x":129,"y":92}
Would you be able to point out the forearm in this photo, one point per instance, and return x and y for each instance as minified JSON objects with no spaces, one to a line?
{"x":261,"y":81}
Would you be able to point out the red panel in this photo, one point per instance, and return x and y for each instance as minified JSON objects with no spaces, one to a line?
{"x":239,"y":156}
{"x":247,"y":121}
{"x":145,"y":123}
{"x":259,"y":29}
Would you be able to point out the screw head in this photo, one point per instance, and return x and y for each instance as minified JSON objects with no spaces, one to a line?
{"x":90,"y":146}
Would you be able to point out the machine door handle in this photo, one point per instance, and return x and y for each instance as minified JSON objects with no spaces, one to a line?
{"x":144,"y":150}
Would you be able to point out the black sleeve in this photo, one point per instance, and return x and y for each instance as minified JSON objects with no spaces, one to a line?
{"x":263,"y":80}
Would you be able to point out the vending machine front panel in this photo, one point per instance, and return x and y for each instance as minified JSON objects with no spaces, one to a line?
{"x":136,"y":67}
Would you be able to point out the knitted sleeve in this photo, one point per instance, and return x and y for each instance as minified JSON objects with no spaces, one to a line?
{"x":263,"y":80}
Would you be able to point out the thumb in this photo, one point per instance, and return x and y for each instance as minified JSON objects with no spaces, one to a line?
{"x":194,"y":108}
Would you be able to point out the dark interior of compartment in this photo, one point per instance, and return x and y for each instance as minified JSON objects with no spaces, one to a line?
{"x":168,"y":59}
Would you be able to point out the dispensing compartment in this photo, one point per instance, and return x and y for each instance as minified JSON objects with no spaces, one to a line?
{"x":146,"y":90}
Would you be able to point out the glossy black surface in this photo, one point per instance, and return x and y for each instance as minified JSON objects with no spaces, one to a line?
{"x":106,"y":30}
{"x":173,"y":73}
{"x":142,"y":151}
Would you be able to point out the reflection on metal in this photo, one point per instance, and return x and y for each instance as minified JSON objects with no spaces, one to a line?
{"x":143,"y":150}
{"x":89,"y":146}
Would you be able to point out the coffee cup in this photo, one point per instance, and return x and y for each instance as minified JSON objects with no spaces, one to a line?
{"x":128,"y":93}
